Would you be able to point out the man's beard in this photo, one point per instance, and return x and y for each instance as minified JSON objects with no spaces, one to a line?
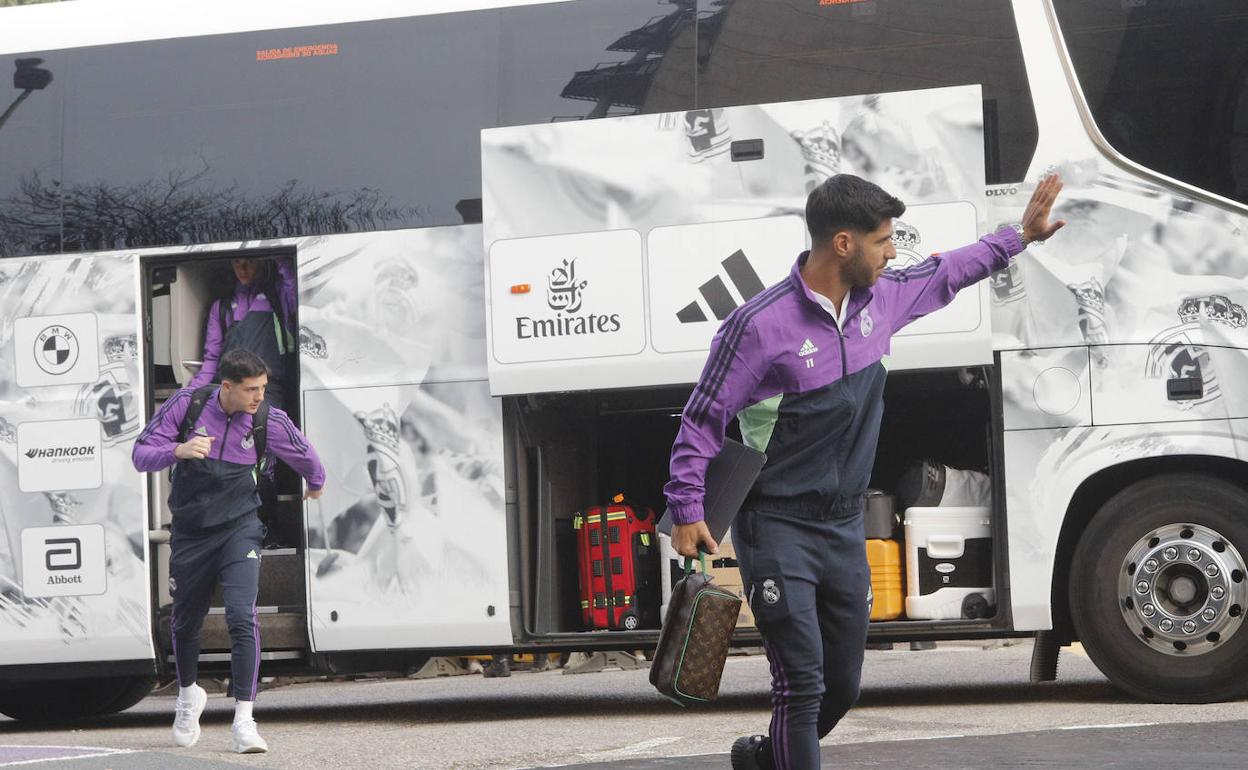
{"x":855,"y":272}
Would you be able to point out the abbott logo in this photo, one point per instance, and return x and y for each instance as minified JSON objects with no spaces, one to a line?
{"x":63,"y":553}
{"x":64,"y":561}
{"x":715,"y":292}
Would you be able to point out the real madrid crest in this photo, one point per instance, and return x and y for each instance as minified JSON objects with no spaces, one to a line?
{"x":771,"y":592}
{"x":906,"y":240}
{"x":1177,"y":352}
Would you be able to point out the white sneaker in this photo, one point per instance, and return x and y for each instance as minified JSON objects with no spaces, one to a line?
{"x":186,"y":723}
{"x":247,"y":738}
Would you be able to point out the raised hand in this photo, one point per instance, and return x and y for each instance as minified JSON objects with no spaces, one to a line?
{"x":1036,"y":225}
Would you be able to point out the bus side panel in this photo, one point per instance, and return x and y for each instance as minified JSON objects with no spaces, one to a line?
{"x":74,"y":582}
{"x":408,"y":546}
{"x":1151,"y":281}
{"x":1045,"y":467}
{"x":615,"y":247}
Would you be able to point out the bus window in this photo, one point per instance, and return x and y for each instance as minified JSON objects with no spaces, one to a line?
{"x":593,"y":58}
{"x":1166,"y":81}
{"x":318,"y":130}
{"x":759,"y":51}
{"x":30,"y":153}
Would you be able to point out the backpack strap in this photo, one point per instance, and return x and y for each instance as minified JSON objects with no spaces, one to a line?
{"x":260,"y":434}
{"x":224,"y":311}
{"x":285,"y":341}
{"x":281,"y":330}
{"x":193,"y":411}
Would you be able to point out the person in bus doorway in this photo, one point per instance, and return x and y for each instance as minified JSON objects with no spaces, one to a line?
{"x":800,"y":366}
{"x":218,"y":439}
{"x":257,"y":316}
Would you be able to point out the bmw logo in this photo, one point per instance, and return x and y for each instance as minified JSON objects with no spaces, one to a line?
{"x":56,"y":350}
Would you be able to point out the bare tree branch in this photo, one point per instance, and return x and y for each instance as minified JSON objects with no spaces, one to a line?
{"x":183,"y":208}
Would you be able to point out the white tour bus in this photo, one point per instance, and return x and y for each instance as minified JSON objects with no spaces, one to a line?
{"x":516,"y":226}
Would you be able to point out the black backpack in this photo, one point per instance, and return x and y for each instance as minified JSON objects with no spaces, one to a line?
{"x":226,"y":316}
{"x":259,"y":422}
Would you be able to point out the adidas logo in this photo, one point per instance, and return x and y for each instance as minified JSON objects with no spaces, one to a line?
{"x":201,"y":430}
{"x":252,"y":554}
{"x":808,"y":348}
{"x":715,"y":292}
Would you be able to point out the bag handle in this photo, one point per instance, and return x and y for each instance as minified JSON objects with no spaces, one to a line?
{"x":701,"y":560}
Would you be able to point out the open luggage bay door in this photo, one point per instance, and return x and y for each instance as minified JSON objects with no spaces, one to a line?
{"x":614,"y":247}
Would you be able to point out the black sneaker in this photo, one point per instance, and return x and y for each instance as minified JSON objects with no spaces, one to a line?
{"x":751,"y":752}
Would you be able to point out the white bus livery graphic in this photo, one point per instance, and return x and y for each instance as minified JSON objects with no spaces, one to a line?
{"x":503,"y":304}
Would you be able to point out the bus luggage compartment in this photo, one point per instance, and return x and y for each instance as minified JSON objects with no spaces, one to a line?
{"x":574,"y":450}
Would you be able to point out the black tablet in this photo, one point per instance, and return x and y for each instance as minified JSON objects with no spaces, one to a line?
{"x":729,"y":478}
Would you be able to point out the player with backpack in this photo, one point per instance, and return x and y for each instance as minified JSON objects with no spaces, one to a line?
{"x":219,"y":440}
{"x":257,"y":316}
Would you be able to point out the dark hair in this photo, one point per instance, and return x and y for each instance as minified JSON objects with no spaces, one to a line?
{"x":239,"y":364}
{"x":847,"y":202}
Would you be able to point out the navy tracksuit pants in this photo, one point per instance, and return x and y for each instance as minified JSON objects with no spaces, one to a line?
{"x":197,"y":560}
{"x":809,"y":585}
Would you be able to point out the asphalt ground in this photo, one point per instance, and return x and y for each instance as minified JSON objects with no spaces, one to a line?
{"x":960,"y":705}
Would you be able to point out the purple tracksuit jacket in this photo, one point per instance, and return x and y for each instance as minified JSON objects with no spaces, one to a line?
{"x":222,"y":487}
{"x":806,"y":393}
{"x":247,"y":299}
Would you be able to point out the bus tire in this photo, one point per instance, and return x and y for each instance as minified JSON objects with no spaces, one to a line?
{"x":70,"y":699}
{"x":130,"y":693}
{"x":1158,"y":589}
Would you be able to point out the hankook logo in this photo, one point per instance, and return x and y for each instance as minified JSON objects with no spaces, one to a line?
{"x":565,"y":294}
{"x":62,"y":453}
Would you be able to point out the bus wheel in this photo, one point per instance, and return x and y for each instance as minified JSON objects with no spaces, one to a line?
{"x":1158,"y":589}
{"x":64,"y":700}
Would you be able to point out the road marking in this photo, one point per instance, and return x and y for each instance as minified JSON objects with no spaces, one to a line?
{"x":66,"y":753}
{"x":630,"y":750}
{"x":1077,"y":648}
{"x":1109,"y":727}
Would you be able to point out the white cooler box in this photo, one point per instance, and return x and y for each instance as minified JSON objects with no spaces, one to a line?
{"x":949,"y":563}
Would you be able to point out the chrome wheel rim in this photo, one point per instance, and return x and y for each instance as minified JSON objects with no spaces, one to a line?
{"x":1182,"y":589}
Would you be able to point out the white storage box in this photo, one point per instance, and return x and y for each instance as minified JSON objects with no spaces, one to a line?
{"x":948,"y":559}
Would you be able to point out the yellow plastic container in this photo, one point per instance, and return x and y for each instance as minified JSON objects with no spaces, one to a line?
{"x":887,"y":579}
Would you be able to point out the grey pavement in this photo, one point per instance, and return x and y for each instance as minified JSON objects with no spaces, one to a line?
{"x":1206,"y":746}
{"x":966,"y":700}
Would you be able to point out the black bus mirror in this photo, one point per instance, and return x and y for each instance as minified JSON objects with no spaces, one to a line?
{"x":30,"y":76}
